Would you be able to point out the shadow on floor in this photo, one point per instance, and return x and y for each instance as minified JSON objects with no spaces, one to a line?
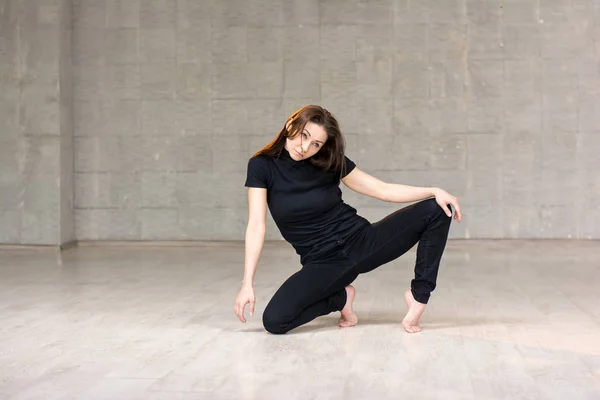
{"x":329,"y":323}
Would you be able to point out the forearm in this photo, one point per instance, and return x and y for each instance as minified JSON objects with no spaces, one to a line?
{"x":255,"y":238}
{"x":397,"y":193}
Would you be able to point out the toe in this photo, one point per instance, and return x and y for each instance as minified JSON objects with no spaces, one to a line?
{"x":412,"y":328}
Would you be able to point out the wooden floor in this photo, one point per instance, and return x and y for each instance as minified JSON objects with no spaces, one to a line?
{"x":509,"y":320}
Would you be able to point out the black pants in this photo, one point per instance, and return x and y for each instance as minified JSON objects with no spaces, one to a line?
{"x":319,"y":287}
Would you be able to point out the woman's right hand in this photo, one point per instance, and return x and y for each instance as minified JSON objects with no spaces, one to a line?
{"x":245,"y":296}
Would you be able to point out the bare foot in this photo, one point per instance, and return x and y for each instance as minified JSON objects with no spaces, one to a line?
{"x":348,"y":317}
{"x":415,"y":310}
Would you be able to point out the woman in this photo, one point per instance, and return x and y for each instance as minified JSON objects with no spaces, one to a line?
{"x":297,"y":176}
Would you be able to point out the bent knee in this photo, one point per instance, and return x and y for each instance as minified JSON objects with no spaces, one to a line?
{"x":436,"y":210}
{"x":433,"y":207}
{"x":274,"y":324}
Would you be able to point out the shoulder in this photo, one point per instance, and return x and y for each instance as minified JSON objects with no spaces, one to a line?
{"x":258,"y":171}
{"x":259,"y":161}
{"x":347,"y":166}
{"x":258,"y":158}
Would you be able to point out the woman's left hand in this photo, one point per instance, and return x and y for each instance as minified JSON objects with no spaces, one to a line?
{"x":444,"y":198}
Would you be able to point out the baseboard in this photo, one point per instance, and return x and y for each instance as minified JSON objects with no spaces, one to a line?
{"x":155,"y":243}
{"x":222,"y":242}
{"x":68,"y":245}
{"x":19,"y":246}
{"x":11,"y":246}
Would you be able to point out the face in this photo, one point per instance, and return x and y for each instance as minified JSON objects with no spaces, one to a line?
{"x":307,"y":143}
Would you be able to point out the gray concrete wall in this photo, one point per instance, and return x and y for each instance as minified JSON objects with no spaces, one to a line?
{"x":496,"y":101}
{"x":36,"y":139}
{"x":67,"y":155}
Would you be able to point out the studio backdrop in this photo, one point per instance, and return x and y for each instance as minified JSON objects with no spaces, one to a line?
{"x":135,"y":119}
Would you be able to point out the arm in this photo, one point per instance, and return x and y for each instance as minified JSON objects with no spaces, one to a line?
{"x":255,"y":238}
{"x":368,"y":185}
{"x":363,"y":183}
{"x":255,"y":232}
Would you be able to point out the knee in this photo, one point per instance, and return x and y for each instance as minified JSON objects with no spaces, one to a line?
{"x":273,"y":323}
{"x":436,"y":211}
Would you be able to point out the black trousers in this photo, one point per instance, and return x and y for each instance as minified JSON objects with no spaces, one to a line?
{"x":319,"y":287}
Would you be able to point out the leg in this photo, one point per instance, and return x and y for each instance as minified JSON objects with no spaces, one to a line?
{"x":424,"y":223}
{"x":309,"y":293}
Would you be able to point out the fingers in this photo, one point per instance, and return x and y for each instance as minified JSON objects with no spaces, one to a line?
{"x":458,"y":215}
{"x":447,"y":210}
{"x":241,"y":315}
{"x":252,"y":307}
{"x":239,"y":311}
{"x":444,"y":199}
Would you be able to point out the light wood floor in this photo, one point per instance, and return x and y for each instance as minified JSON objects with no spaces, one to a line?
{"x":509,"y":320}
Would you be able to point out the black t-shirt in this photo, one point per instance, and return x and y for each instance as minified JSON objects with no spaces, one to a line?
{"x":305,"y":201}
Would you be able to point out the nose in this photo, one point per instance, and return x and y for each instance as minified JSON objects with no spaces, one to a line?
{"x":305,"y":146}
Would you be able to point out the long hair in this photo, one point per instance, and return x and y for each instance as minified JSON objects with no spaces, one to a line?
{"x":330,"y":156}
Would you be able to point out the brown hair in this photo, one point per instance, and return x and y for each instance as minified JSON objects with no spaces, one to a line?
{"x":330,"y":156}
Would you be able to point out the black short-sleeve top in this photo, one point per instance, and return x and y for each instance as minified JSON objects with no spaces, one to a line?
{"x":304,"y":200}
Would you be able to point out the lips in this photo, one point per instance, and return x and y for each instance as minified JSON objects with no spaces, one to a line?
{"x":299,"y":155}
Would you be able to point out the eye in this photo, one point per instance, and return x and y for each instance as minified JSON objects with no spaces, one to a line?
{"x":317,"y":144}
{"x":304,"y":135}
